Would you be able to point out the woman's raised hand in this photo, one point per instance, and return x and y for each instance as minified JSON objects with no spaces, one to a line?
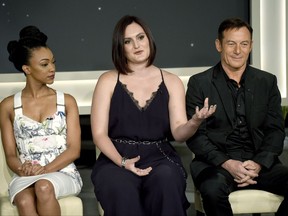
{"x":205,"y":112}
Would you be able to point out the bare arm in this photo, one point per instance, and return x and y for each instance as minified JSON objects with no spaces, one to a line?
{"x":7,"y":135}
{"x":99,"y":122}
{"x":100,"y":116}
{"x":181,"y":128}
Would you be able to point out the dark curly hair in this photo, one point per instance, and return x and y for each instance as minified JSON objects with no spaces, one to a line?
{"x":30,"y":38}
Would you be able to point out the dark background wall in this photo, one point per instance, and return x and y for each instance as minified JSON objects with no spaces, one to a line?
{"x":79,"y":31}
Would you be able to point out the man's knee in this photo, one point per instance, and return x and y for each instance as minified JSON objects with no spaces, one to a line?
{"x":216,"y":186}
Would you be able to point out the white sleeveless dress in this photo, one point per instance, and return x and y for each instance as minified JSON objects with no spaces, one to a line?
{"x":42,"y":142}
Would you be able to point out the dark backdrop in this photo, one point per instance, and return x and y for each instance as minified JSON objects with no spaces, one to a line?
{"x":79,"y":31}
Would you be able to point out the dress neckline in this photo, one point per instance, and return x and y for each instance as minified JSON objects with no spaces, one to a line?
{"x":60,"y":107}
{"x":51,"y":117}
{"x":135,"y":101}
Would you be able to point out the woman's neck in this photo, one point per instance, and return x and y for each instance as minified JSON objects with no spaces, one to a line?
{"x":34,"y":91}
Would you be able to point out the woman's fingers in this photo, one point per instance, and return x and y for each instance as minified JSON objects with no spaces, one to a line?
{"x":143,"y":172}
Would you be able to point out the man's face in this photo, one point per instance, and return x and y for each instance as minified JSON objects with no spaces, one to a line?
{"x":235,"y":48}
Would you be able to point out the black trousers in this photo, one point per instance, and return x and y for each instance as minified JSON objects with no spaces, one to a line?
{"x":215,"y":185}
{"x":161,"y":193}
{"x":122,"y":193}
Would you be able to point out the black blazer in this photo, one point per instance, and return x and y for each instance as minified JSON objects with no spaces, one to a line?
{"x":263,"y":112}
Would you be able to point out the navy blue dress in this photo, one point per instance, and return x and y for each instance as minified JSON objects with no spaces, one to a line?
{"x":143,"y":131}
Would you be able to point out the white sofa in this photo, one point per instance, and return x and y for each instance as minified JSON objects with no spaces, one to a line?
{"x":247,"y":201}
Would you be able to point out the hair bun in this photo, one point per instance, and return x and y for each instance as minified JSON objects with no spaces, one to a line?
{"x":32,"y":32}
{"x":12,"y":46}
{"x":21,"y":51}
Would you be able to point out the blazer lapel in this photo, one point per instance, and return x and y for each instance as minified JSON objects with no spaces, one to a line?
{"x":220,"y":84}
{"x":249,"y":93}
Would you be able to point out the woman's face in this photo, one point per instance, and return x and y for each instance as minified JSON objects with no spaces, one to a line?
{"x":136,"y":44}
{"x":41,"y":66}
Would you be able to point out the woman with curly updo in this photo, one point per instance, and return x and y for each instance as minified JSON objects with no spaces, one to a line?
{"x":40,"y":131}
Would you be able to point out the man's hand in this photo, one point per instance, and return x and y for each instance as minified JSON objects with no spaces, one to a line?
{"x":252,"y":166}
{"x":243,"y":173}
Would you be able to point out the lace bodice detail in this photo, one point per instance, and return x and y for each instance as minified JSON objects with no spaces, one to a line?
{"x":136,"y":101}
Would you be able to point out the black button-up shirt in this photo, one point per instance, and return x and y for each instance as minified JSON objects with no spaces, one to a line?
{"x":239,"y":143}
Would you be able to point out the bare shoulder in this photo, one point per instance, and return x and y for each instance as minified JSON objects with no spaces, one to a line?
{"x":7,"y":108}
{"x":7,"y":103}
{"x":69,"y":98}
{"x":70,"y":104}
{"x":171,"y":80}
{"x":108,"y":76}
{"x":107,"y":82}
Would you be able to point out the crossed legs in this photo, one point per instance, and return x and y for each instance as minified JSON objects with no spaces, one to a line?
{"x":38,"y":199}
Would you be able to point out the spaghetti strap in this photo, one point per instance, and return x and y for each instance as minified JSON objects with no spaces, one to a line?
{"x":118,"y":78}
{"x":161,"y":74}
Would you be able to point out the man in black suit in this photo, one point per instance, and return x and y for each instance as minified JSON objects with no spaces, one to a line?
{"x":237,"y":147}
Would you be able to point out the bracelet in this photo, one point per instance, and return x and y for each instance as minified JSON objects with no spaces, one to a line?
{"x":123,"y":162}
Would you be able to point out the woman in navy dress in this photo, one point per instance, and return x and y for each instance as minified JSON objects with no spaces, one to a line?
{"x":137,"y":109}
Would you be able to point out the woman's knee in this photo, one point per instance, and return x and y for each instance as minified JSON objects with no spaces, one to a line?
{"x":112,"y":194}
{"x":166,"y":179}
{"x":165,"y":173}
{"x":44,"y":189}
{"x":116,"y":184}
{"x":24,"y":201}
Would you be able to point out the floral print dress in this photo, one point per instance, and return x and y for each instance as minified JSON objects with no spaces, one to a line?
{"x":42,"y":142}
